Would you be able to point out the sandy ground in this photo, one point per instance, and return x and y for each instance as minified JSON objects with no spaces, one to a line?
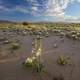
{"x":11,"y":64}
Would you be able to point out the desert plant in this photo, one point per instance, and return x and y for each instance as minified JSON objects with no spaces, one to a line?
{"x":25,"y":23}
{"x":15,"y":46}
{"x":74,"y":37}
{"x":34,"y":64}
{"x":64,"y":60}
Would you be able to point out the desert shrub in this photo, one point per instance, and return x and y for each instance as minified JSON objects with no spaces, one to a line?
{"x":73,"y":32}
{"x":34,"y":64}
{"x":68,"y":35}
{"x":15,"y":46}
{"x":24,"y":33}
{"x":62,"y":34}
{"x":78,"y":34}
{"x":74,"y":37}
{"x":64,"y":60}
{"x":47,"y":34}
{"x":56,"y":31}
{"x":25,"y":23}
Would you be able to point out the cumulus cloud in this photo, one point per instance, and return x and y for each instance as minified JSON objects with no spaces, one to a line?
{"x":52,"y":7}
{"x":56,"y":7}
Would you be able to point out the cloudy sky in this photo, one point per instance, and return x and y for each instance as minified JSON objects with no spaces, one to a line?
{"x":40,"y":10}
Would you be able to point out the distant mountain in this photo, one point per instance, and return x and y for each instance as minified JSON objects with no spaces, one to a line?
{"x":39,"y":22}
{"x":6,"y":21}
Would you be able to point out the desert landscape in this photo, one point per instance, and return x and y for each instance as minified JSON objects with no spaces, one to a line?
{"x":60,"y":51}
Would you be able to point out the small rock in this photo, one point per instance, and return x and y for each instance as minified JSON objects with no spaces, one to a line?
{"x":55,"y":45}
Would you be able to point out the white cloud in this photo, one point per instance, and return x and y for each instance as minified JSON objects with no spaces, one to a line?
{"x":56,"y":7}
{"x":67,"y":18}
{"x":34,"y":8}
{"x":52,"y":7}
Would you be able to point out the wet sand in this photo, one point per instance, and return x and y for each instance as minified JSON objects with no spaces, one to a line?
{"x":11,"y":67}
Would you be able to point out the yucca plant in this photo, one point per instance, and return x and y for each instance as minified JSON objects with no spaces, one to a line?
{"x":34,"y":64}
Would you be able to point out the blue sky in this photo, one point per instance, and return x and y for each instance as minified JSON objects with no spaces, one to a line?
{"x":40,"y":10}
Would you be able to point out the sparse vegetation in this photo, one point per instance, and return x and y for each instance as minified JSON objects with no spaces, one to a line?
{"x":34,"y":63}
{"x":42,"y":31}
{"x":15,"y":46}
{"x":64,"y":60}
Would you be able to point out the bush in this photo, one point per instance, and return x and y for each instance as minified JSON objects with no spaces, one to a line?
{"x":15,"y":46}
{"x":34,"y":64}
{"x":64,"y":60}
{"x":25,"y":23}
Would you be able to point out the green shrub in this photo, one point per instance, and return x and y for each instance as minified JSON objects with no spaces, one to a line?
{"x":34,"y":64}
{"x":62,"y":60}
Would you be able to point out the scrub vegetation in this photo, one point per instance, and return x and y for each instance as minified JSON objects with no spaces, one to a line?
{"x":46,"y":50}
